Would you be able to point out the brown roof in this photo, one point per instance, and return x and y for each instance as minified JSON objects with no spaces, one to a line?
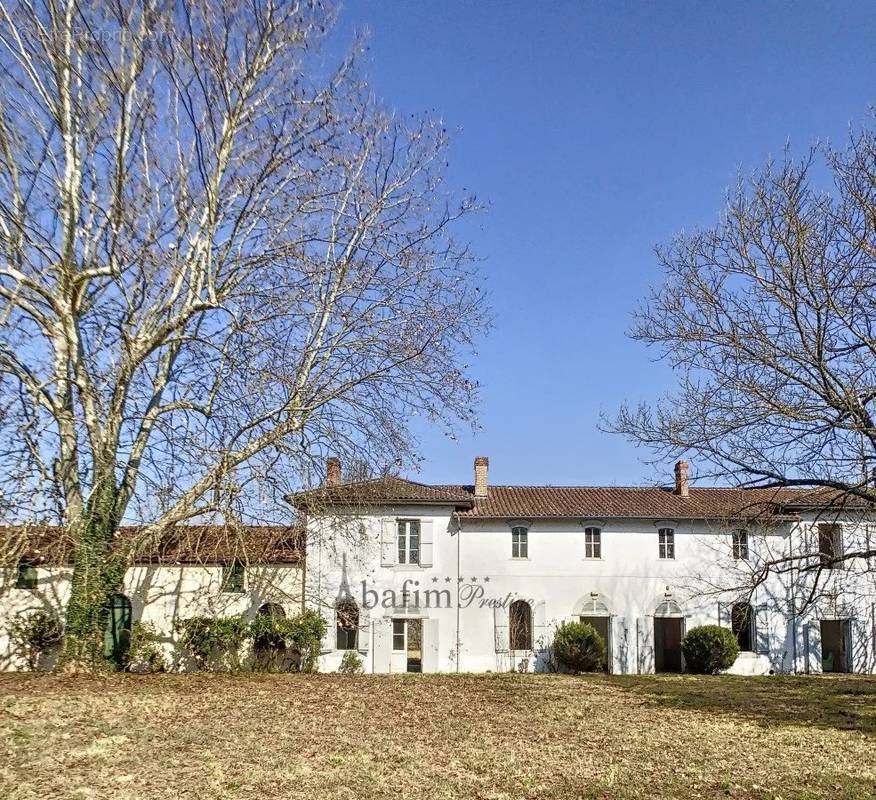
{"x":389,"y":489}
{"x":184,"y":544}
{"x":581,"y":502}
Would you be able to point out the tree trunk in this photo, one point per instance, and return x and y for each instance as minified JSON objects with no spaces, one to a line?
{"x":98,"y":572}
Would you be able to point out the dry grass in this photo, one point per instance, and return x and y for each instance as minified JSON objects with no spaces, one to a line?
{"x":499,"y":736}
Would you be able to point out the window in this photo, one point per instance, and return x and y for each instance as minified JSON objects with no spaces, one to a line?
{"x":520,"y":625}
{"x":741,"y":623}
{"x":347,"y":625}
{"x":740,"y":545}
{"x":519,"y":542}
{"x":666,"y":542}
{"x":398,"y":635}
{"x":27,"y":576}
{"x":409,"y":541}
{"x":234,"y":577}
{"x":592,"y":543}
{"x":830,"y":545}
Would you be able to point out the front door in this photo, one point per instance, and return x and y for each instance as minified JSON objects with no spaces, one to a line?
{"x":835,"y":645}
{"x":668,"y":632}
{"x":601,"y":626}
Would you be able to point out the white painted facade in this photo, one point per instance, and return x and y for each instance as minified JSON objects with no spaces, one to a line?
{"x":471,"y":563}
{"x":160,"y":595}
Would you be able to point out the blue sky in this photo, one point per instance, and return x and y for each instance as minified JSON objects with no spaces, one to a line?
{"x":596,"y":131}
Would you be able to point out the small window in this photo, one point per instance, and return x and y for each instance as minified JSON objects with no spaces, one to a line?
{"x":520,"y":625}
{"x":740,"y":545}
{"x":519,"y":542}
{"x":741,"y":623}
{"x":27,"y":576}
{"x":398,"y":635}
{"x":409,"y":541}
{"x":666,"y":542}
{"x":830,"y":545}
{"x":592,"y":543}
{"x":347,"y":626}
{"x":234,"y":577}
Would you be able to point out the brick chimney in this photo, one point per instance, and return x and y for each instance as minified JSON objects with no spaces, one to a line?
{"x":481,"y":469}
{"x":682,"y":489}
{"x":333,"y":471}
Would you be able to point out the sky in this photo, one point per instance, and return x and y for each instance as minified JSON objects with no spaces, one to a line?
{"x":597,"y":131}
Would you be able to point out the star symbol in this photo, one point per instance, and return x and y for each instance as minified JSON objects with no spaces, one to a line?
{"x":435,"y":579}
{"x":474,"y":580}
{"x":459,"y":580}
{"x":487,"y":579}
{"x":447,"y":579}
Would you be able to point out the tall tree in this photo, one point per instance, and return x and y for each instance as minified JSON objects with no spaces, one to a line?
{"x":218,"y":258}
{"x":768,"y":320}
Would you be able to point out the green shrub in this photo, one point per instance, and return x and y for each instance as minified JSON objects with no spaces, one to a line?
{"x":579,"y":647}
{"x":351,"y":663}
{"x":307,"y":630}
{"x":145,"y":653}
{"x":709,"y":649}
{"x":35,"y":634}
{"x":214,"y":643}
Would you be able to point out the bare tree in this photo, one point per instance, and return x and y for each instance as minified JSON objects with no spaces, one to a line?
{"x":218,"y":259}
{"x":768,"y":320}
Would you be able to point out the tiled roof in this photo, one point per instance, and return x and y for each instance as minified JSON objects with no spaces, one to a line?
{"x":389,"y":489}
{"x":185,"y":544}
{"x":578,"y":502}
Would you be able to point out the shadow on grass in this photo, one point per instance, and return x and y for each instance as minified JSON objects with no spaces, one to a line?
{"x":843,"y":703}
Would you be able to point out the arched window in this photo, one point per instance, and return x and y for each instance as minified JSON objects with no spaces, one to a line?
{"x":27,"y":576}
{"x":271,"y":610}
{"x":347,"y":625}
{"x":668,"y":608}
{"x":520,"y":625}
{"x":741,"y":623}
{"x":117,"y":635}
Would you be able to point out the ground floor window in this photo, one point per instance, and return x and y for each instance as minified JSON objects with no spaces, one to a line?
{"x":520,"y":625}
{"x":741,"y":623}
{"x":347,"y":626}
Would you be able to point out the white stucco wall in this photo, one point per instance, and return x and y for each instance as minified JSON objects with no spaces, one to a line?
{"x":629,"y":578}
{"x":160,"y":595}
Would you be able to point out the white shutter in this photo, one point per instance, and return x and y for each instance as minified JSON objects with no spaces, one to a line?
{"x":619,"y":635}
{"x":381,"y":644}
{"x":539,"y":627}
{"x":762,"y":630}
{"x":426,"y":542}
{"x":500,"y":624}
{"x":430,"y":645}
{"x":645,"y":644}
{"x":364,"y":630}
{"x":813,"y":647}
{"x":388,"y":543}
{"x":329,"y":640}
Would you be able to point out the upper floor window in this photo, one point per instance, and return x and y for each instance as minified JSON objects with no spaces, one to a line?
{"x":520,"y":625}
{"x":519,"y":542}
{"x":830,"y":545}
{"x":740,"y":545}
{"x":347,"y":625}
{"x":409,"y":541}
{"x":26,"y":577}
{"x":742,"y":623}
{"x":666,"y":542}
{"x":592,"y":543}
{"x":234,"y":577}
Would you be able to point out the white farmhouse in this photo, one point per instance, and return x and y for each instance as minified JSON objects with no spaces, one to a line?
{"x":475,"y":577}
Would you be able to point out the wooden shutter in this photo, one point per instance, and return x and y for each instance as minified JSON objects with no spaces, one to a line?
{"x":426,"y":542}
{"x":645,"y":644}
{"x":500,"y":625}
{"x":762,"y":630}
{"x":430,"y":645}
{"x":381,"y":648}
{"x":619,"y":645}
{"x":388,"y":542}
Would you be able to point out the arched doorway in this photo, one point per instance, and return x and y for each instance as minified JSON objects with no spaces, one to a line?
{"x":668,"y":633}
{"x":117,"y":634}
{"x":594,"y":611}
{"x":269,"y":645}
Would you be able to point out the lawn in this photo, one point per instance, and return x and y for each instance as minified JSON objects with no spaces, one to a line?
{"x":432,"y":736}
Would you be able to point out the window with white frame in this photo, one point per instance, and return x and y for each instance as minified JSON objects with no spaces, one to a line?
{"x":399,"y":635}
{"x":592,"y":542}
{"x":519,"y":542}
{"x":666,"y":542}
{"x":740,"y":545}
{"x":409,"y":541}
